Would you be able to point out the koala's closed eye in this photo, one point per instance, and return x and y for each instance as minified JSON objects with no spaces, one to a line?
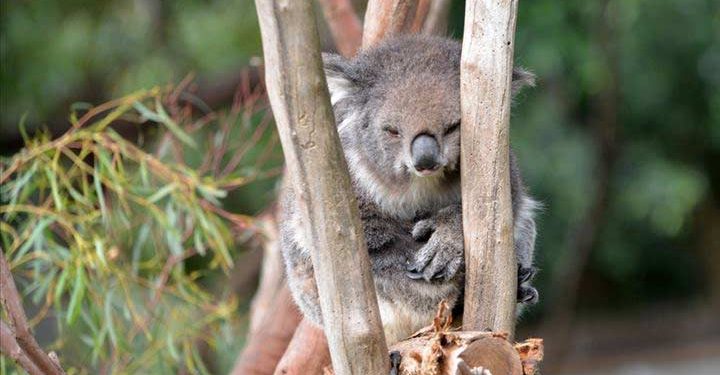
{"x":392,"y":131}
{"x":454,"y":127}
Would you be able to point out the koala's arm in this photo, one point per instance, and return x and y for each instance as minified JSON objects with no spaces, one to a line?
{"x":442,"y":257}
{"x":380,"y":233}
{"x":375,"y":226}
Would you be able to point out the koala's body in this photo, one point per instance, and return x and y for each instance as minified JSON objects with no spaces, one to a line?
{"x":397,"y":109}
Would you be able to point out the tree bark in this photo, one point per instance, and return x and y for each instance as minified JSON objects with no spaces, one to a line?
{"x":307,"y":353}
{"x":440,"y":350}
{"x":269,"y":336}
{"x":318,"y":173}
{"x":387,"y":17}
{"x":344,"y":25}
{"x":12,"y":304}
{"x":10,"y":347}
{"x":436,"y":21}
{"x":485,"y":74}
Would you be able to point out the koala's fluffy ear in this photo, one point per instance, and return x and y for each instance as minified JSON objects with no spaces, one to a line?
{"x":337,"y":74}
{"x":520,"y":79}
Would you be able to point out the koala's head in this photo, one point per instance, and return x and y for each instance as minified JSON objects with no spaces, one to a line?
{"x":397,"y":107}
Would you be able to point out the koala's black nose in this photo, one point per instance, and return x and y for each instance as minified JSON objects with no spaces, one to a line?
{"x":425,"y":152}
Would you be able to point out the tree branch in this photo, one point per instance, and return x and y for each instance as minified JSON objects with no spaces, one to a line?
{"x":12,"y":303}
{"x":421,"y":12}
{"x":318,"y":174}
{"x":387,"y":17}
{"x":485,"y":75}
{"x":10,"y":348}
{"x":436,"y":21}
{"x":269,"y":335}
{"x":307,"y":353}
{"x":344,"y":25}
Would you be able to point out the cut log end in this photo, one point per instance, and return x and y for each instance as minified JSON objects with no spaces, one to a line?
{"x":440,"y":350}
{"x":468,"y":352}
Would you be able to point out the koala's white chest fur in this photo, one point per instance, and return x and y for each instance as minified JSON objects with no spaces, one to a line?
{"x":421,"y":193}
{"x":400,"y":321}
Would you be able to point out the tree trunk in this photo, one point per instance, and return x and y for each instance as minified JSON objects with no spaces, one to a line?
{"x":318,"y":173}
{"x":485,"y":74}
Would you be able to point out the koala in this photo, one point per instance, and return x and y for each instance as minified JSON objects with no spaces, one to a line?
{"x":397,"y":110}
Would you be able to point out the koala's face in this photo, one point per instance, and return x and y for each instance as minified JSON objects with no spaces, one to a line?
{"x":413,"y":127}
{"x":398,"y":112}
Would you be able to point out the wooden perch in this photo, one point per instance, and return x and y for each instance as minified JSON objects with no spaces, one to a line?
{"x":318,"y":173}
{"x":485,"y":76}
{"x":18,"y":342}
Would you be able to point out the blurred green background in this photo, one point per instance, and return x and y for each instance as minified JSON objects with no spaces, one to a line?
{"x":620,"y":140}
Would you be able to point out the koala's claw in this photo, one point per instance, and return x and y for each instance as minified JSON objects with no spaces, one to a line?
{"x":436,"y":261}
{"x":414,"y":274}
{"x":525,"y":274}
{"x":527,"y":295}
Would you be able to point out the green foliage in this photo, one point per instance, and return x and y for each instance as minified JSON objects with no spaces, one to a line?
{"x":57,"y":52}
{"x":99,"y":231}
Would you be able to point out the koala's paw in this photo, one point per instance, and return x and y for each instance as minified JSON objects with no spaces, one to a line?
{"x":441,"y":257}
{"x":526,"y":294}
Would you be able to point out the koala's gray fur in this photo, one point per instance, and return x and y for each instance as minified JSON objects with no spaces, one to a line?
{"x":383,"y":100}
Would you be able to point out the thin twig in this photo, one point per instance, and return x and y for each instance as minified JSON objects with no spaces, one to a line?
{"x":11,"y":301}
{"x":10,"y":348}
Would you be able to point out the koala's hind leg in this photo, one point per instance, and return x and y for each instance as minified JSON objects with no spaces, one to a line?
{"x":524,"y":238}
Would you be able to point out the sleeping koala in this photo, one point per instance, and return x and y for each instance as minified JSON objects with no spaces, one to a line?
{"x":397,"y":109}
